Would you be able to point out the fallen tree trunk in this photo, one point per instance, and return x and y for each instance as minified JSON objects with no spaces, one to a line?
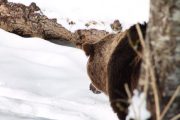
{"x":29,"y":21}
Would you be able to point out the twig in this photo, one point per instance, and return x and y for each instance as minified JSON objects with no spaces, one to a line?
{"x":140,"y":36}
{"x":155,"y":92}
{"x":128,"y":91}
{"x":177,"y":117}
{"x":154,"y":86}
{"x":151,"y":74}
{"x":145,"y":59}
{"x":170,"y":102}
{"x":131,"y":43}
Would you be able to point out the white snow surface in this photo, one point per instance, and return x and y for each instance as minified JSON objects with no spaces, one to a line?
{"x":103,"y":12}
{"x":43,"y":81}
{"x":137,"y":110}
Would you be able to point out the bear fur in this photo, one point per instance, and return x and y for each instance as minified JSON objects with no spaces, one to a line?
{"x":124,"y":68}
{"x":114,"y":62}
{"x":99,"y":54}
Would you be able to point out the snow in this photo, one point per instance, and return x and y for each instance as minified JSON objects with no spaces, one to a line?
{"x":137,"y":110}
{"x":43,"y":81}
{"x":104,"y":12}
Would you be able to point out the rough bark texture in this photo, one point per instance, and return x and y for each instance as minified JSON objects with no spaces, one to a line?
{"x":89,"y":36}
{"x":116,"y":26}
{"x":29,"y":21}
{"x":163,"y":40}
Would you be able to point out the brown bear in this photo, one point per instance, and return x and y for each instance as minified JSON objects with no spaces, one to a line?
{"x":124,"y":68}
{"x":114,"y":62}
{"x":99,"y":54}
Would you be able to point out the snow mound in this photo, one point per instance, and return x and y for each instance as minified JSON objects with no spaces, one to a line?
{"x":43,"y":81}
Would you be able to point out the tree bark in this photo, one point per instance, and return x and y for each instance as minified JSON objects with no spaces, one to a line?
{"x":29,"y":21}
{"x":163,"y":44}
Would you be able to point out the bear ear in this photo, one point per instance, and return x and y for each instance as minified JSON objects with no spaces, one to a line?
{"x":88,"y":48}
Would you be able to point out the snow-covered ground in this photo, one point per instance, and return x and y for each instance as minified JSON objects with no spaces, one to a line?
{"x":40,"y":80}
{"x":43,"y":81}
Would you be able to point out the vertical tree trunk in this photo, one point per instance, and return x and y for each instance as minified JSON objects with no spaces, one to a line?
{"x":163,"y":42}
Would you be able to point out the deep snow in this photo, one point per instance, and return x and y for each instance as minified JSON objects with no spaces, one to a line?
{"x":41,"y":80}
